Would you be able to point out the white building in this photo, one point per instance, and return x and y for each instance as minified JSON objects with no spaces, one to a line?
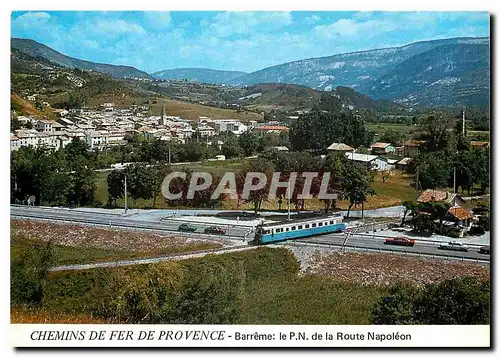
{"x":372,"y":162}
{"x":44,"y":125}
{"x":234,"y":126}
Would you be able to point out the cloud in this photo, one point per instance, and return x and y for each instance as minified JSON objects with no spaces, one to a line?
{"x":158,"y":19}
{"x":229,"y":23}
{"x":312,"y":19}
{"x":352,"y":28}
{"x":30,"y":20}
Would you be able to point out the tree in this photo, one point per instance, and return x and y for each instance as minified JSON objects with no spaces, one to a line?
{"x":212,"y":295}
{"x":140,"y":181}
{"x":459,"y":301}
{"x":397,"y":306}
{"x":410,"y":207}
{"x":434,"y":126}
{"x":116,"y":185}
{"x":249,"y":142}
{"x":434,"y":169}
{"x":231,"y":147}
{"x":355,"y":184}
{"x":15,"y":125}
{"x":258,"y":196}
{"x":392,"y":136}
{"x":28,"y":274}
{"x":440,"y":210}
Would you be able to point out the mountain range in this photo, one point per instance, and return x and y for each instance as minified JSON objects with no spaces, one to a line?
{"x":36,"y":49}
{"x":202,"y":75}
{"x":448,"y":72}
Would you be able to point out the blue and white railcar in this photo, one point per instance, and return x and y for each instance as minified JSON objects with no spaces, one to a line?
{"x":277,"y":232}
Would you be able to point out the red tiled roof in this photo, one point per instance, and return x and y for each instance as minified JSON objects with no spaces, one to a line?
{"x":480,"y":144}
{"x":460,"y":213}
{"x":272,"y":127}
{"x":379,"y":145}
{"x":435,"y":196}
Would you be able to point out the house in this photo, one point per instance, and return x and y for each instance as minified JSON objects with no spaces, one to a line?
{"x":479,"y":144}
{"x":391,"y":164}
{"x":60,"y":112}
{"x":230,"y":125}
{"x":14,"y":142}
{"x":340,"y":147}
{"x":403,"y":163}
{"x":380,"y":148}
{"x":411,"y":148}
{"x":205,"y":131}
{"x":458,"y":213}
{"x":97,"y":139}
{"x":372,"y":162}
{"x":276,"y":129}
{"x":57,"y":127}
{"x":65,"y":122}
{"x":453,"y":199}
{"x":44,"y":125}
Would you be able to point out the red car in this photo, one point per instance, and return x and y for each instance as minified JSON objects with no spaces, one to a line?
{"x":400,"y":241}
{"x":214,"y":230}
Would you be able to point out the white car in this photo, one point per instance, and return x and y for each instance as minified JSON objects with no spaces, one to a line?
{"x":458,"y":246}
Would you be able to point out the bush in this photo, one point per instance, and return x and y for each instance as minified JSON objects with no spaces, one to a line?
{"x":397,"y":307}
{"x":28,"y":275}
{"x":459,"y":301}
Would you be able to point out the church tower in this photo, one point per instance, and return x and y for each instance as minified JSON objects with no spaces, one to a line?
{"x":162,"y":118}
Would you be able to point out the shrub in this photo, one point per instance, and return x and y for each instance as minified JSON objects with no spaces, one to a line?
{"x":28,"y":275}
{"x":459,"y":301}
{"x":396,"y":308}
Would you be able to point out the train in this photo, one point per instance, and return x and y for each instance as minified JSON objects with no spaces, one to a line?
{"x":303,"y":228}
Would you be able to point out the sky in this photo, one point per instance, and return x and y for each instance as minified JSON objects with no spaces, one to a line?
{"x":242,"y":41}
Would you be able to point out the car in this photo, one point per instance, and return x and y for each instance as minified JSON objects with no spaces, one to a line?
{"x":485,"y":249}
{"x":186,"y":228}
{"x":401,"y":240}
{"x":454,"y":246}
{"x":214,"y":230}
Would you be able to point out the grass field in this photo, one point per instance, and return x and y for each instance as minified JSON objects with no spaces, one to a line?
{"x":75,"y":244}
{"x":310,"y":299}
{"x":194,"y":111}
{"x":395,"y":190}
{"x":380,"y":128}
{"x":270,"y":291}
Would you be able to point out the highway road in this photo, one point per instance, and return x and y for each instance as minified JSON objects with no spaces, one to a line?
{"x":357,"y":241}
{"x":114,"y":220}
{"x":374,"y":244}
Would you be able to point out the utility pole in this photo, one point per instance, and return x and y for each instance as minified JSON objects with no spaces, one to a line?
{"x":169,"y":154}
{"x":126,"y":208}
{"x":463,"y":123}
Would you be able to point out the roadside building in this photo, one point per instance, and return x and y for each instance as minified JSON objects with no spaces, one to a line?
{"x":411,"y":148}
{"x":431,"y":195}
{"x":480,"y":144}
{"x":372,"y":162}
{"x":403,"y":164}
{"x":380,"y":148}
{"x":340,"y":147}
{"x":276,"y":129}
{"x":44,"y":125}
{"x":230,"y":125}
